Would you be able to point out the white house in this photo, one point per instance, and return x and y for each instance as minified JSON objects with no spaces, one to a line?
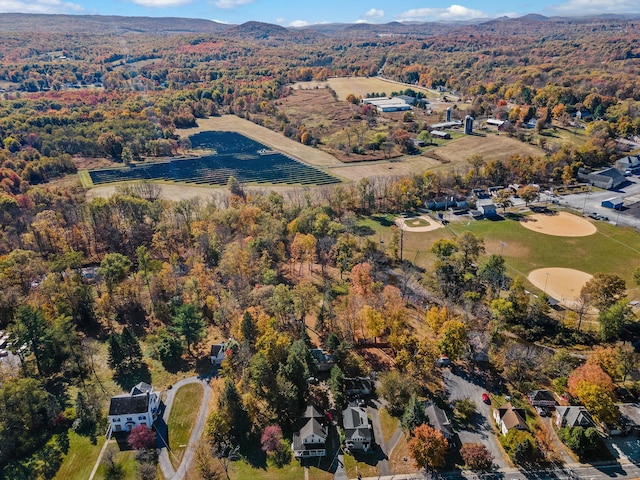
{"x":508,"y":417}
{"x":310,"y":441}
{"x":357,"y":431}
{"x":139,"y":407}
{"x":218,"y":353}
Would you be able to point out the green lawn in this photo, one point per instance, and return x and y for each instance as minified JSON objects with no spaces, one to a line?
{"x":388,"y":423}
{"x":182,"y":419}
{"x":126,"y":459}
{"x":241,"y":470}
{"x":353,"y":467}
{"x":80,"y":459}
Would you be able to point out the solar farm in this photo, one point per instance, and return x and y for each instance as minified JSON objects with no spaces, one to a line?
{"x":233,"y":155}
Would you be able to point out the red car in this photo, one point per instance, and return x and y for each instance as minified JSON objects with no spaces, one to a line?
{"x":486,"y":399}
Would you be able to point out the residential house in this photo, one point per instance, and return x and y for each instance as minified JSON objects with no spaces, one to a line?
{"x":324,"y":360}
{"x":139,"y":407}
{"x":542,"y":398}
{"x":218,"y":353}
{"x":310,"y":440}
{"x":508,"y":417}
{"x":438,"y":419}
{"x":357,"y":386}
{"x":574,"y":416}
{"x":357,"y":430}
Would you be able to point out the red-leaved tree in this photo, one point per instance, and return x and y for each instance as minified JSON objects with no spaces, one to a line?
{"x":142,"y":438}
{"x":476,"y":456}
{"x":271,"y":438}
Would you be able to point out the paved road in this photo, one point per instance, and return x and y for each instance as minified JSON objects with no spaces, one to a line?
{"x":165,"y":463}
{"x":458,"y":387}
{"x":386,"y":447}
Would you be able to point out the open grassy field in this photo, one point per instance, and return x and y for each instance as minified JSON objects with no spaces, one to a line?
{"x":182,"y":419}
{"x":361,"y":86}
{"x":80,"y":459}
{"x":489,"y":146}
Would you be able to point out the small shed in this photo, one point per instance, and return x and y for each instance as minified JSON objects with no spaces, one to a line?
{"x":615,"y":203}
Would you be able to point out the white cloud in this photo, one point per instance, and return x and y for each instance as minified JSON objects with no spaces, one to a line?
{"x":374,"y":13}
{"x":39,"y":6}
{"x":588,"y":7}
{"x":230,"y":3}
{"x":299,"y":23}
{"x":279,"y":20}
{"x":453,"y":12}
{"x":161,"y":3}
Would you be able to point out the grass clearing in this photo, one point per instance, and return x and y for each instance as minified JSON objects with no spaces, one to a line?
{"x":400,"y":460}
{"x":354,"y":467}
{"x":126,"y":460}
{"x":241,"y":470}
{"x":81,"y":457}
{"x":388,"y":423}
{"x":182,"y":418}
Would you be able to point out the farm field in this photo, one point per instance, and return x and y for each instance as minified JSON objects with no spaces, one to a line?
{"x":238,"y":156}
{"x":360,"y":86}
{"x":490,"y":147}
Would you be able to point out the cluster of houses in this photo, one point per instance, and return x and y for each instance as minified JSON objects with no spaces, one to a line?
{"x":310,"y":441}
{"x":508,"y":417}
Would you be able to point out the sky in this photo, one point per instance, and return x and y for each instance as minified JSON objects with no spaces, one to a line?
{"x":298,"y":13}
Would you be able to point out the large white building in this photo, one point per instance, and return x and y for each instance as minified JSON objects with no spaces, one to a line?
{"x":138,"y":407}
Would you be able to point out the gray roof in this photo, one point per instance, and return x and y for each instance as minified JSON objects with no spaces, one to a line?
{"x":541,"y":395}
{"x":129,"y":405}
{"x":311,"y":412}
{"x":313,"y":427}
{"x":141,"y":388}
{"x":354,"y":417}
{"x":577,"y":416}
{"x":629,"y":161}
{"x":439,"y":420}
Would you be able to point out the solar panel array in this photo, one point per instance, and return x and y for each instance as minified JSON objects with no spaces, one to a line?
{"x":236,"y":155}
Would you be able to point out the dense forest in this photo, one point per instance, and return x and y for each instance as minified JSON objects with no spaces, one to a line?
{"x":256,"y":265}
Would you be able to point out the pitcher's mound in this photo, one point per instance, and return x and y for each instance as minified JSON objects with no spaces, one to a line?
{"x":562,"y":284}
{"x":560,"y":224}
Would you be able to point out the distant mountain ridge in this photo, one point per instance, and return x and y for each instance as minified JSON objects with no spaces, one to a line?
{"x":25,"y":22}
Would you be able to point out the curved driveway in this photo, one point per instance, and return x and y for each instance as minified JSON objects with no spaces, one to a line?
{"x":165,"y":462}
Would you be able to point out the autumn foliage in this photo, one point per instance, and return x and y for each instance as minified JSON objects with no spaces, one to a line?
{"x":589,"y":373}
{"x":427,"y":447}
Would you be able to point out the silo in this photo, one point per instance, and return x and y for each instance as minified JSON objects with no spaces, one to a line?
{"x":468,"y":125}
{"x":448,"y":114}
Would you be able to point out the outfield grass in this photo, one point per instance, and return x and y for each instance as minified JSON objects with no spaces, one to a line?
{"x":182,"y":419}
{"x":81,"y":458}
{"x":611,"y":250}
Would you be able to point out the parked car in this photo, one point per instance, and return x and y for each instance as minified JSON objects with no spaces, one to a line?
{"x":486,"y":399}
